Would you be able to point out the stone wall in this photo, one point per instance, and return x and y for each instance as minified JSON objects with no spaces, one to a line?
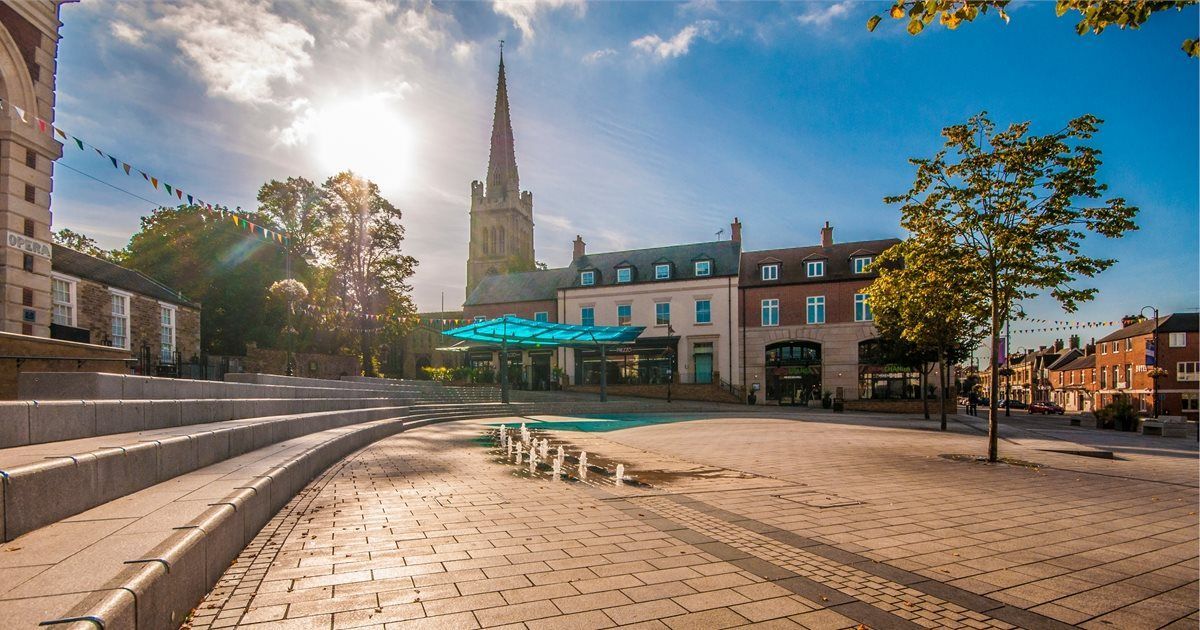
{"x":145,"y":321}
{"x":27,"y":66}
{"x":71,"y":357}
{"x":310,"y":365}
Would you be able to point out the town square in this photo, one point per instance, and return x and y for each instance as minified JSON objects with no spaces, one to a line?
{"x":827,"y":315}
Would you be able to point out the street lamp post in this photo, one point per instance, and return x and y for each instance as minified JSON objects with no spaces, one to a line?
{"x":670,"y":361}
{"x":1154,"y":345}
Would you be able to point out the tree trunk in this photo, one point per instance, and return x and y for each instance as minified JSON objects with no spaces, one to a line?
{"x":942,"y":386}
{"x":994,"y":386}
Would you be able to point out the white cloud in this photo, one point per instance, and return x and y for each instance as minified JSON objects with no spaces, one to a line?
{"x":240,"y":48}
{"x":677,"y":45}
{"x":824,"y":16}
{"x":597,"y":55}
{"x":524,"y":13}
{"x":463,"y":52}
{"x":128,"y":33}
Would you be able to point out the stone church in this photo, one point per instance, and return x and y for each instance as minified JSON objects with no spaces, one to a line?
{"x":501,"y":213}
{"x":501,"y":242}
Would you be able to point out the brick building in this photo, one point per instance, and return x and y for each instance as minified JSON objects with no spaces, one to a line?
{"x":99,"y":302}
{"x":1122,"y":362}
{"x":1073,"y":379}
{"x":807,"y":327}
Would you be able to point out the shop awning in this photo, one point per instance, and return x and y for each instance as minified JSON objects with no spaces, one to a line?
{"x":511,"y":332}
{"x":526,"y":333}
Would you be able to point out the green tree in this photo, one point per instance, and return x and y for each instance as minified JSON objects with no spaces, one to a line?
{"x":80,"y":243}
{"x":217,"y":264}
{"x":1095,"y":15}
{"x":294,"y":207}
{"x":1012,"y":210}
{"x":361,"y":241}
{"x":915,"y":299}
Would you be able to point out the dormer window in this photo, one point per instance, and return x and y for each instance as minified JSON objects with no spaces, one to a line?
{"x":814,"y":268}
{"x":861,"y":263}
{"x":624,"y":274}
{"x":587,"y":278}
{"x":770,"y":272}
{"x":703,"y":268}
{"x":662,"y":272}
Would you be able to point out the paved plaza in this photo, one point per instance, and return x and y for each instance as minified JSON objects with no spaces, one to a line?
{"x":790,"y":520}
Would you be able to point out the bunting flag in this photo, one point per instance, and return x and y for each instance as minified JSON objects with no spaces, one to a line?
{"x":1065,"y":326}
{"x":172,"y":190}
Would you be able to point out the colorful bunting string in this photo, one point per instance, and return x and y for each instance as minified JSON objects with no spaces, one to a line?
{"x":1064,"y":326}
{"x":171,"y":190}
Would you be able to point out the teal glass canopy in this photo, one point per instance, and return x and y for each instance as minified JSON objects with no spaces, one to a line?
{"x":525,"y":333}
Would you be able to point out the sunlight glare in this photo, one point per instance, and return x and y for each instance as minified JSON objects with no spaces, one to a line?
{"x":366,"y":135}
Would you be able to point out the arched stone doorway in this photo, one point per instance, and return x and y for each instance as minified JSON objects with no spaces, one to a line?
{"x":793,"y":370}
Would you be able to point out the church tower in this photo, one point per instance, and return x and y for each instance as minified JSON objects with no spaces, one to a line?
{"x":501,"y":213}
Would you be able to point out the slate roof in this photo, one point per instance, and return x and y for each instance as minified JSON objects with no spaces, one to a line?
{"x":83,"y":266}
{"x":1067,"y":356}
{"x":723,"y":254}
{"x":1081,"y":363}
{"x":527,"y":286}
{"x":838,"y":265}
{"x":544,"y":284}
{"x":1177,"y":322}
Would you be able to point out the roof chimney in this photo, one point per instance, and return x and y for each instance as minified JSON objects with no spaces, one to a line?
{"x":827,"y":235}
{"x":735,"y":231}
{"x":580,"y":248}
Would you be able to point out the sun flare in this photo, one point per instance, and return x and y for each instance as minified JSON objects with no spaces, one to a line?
{"x":366,"y":135}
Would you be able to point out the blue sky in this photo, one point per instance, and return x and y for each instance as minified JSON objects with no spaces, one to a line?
{"x":637,"y":124}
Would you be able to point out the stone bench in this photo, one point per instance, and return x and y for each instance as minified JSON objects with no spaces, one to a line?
{"x":1165,"y":426}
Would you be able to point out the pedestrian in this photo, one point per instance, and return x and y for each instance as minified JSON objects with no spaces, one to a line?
{"x":972,"y":403}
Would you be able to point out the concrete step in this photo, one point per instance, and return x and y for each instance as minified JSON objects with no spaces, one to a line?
{"x":97,"y":386}
{"x":37,"y":422}
{"x":145,"y":559}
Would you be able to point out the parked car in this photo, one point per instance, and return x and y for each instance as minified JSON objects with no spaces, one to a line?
{"x":1012,"y":404}
{"x":1045,"y":407}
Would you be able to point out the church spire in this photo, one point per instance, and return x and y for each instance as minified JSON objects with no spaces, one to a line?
{"x":502,"y":165}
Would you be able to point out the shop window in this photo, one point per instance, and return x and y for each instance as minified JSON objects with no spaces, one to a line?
{"x":881,"y":378}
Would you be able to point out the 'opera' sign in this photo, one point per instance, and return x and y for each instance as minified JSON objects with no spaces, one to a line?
{"x":28,"y":245}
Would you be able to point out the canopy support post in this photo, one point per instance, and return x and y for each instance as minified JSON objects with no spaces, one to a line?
{"x":603,"y":374}
{"x":504,"y":371}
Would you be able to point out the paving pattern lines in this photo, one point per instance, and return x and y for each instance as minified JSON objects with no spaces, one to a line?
{"x":1086,"y":546}
{"x":424,"y":530}
{"x":921,"y":608}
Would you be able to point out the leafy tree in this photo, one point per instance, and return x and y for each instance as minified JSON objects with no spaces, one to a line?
{"x":914,"y":299}
{"x":361,"y":241}
{"x":80,"y":243}
{"x":1095,"y":15}
{"x":294,"y":207}
{"x":1011,"y":210}
{"x":217,"y":264}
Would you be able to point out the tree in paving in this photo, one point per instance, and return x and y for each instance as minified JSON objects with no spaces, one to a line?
{"x":915,"y":299}
{"x":1009,"y":212}
{"x":361,"y":242}
{"x":1094,"y":15}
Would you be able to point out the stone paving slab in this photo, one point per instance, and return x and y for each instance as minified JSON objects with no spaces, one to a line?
{"x":791,"y":524}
